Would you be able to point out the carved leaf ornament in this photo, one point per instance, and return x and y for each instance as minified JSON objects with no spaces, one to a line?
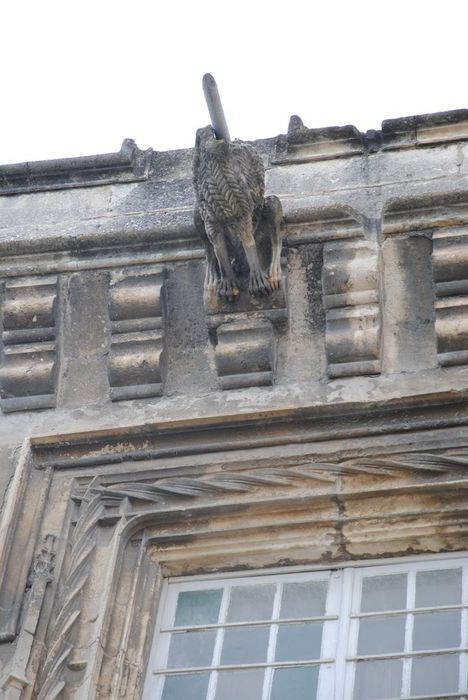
{"x":242,"y":482}
{"x":61,"y":644}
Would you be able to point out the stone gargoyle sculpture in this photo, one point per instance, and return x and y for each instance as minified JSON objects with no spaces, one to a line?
{"x":239,"y":226}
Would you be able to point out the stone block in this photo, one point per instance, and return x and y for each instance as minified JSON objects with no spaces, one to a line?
{"x":137,"y":352}
{"x":245,"y":353}
{"x":351,"y":301}
{"x":29,"y":367}
{"x":450,"y":267}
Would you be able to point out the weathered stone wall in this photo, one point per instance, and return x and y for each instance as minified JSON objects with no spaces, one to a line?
{"x":143,"y":434}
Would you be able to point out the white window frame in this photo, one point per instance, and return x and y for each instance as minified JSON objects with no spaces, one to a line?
{"x":340,"y":636}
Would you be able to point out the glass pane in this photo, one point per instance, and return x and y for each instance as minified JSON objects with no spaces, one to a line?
{"x":435,"y":674}
{"x":381,"y":635}
{"x":437,"y":630}
{"x":233,"y":685}
{"x":376,"y":680}
{"x":198,"y":607}
{"x":248,"y":603}
{"x":190,"y":686}
{"x":299,"y":642}
{"x":243,"y":645}
{"x":295,"y":683}
{"x":189,"y":649}
{"x":383,"y":593}
{"x":438,"y":588}
{"x":305,"y":599}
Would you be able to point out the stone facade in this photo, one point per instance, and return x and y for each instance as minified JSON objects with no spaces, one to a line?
{"x":148,"y":431}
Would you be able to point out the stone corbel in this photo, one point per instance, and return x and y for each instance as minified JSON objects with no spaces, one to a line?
{"x":444,"y":219}
{"x":137,"y":315}
{"x":244,"y":337}
{"x":450,"y":268}
{"x":29,"y":364}
{"x":351,"y":301}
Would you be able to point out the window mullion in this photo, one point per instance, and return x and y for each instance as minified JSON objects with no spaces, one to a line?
{"x":409,"y":624}
{"x":462,"y":682}
{"x":342,"y":669}
{"x":268,"y":678}
{"x":218,"y":645}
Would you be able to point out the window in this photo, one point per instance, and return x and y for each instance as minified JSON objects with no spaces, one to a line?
{"x":357,"y":633}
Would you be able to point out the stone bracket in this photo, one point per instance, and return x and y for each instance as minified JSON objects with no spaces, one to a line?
{"x":352,"y":308}
{"x":137,"y":314}
{"x":244,"y":336}
{"x":29,"y":364}
{"x":450,"y":269}
{"x":245,"y":353}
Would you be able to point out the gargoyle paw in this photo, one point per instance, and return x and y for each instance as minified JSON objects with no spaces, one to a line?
{"x":228,"y":289}
{"x":259,"y":284}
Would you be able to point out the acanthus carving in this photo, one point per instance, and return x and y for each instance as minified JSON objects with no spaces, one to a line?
{"x":60,"y":642}
{"x":29,"y":365}
{"x":450,"y":268}
{"x":240,"y":228}
{"x":137,"y":354}
{"x":352,"y":306}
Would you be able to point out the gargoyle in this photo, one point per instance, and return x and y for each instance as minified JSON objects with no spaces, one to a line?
{"x":241,"y":229}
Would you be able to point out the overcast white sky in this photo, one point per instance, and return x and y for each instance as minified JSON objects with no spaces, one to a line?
{"x":78,"y":76}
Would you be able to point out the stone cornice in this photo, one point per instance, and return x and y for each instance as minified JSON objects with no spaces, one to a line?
{"x":250,"y":430}
{"x":302,"y":144}
{"x":130,"y":164}
{"x":426,"y":213}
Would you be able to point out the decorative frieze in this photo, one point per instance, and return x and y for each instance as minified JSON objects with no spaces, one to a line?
{"x":137,"y":353}
{"x":450,"y":268}
{"x":29,"y":363}
{"x":351,"y":302}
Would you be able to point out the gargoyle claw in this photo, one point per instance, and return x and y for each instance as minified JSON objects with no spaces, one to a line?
{"x":275,"y":283}
{"x":259,"y":284}
{"x":228,"y":289}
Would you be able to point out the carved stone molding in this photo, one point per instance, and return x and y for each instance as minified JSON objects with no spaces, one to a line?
{"x":121,"y":527}
{"x":244,"y":335}
{"x":130,"y":164}
{"x":245,"y":353}
{"x":137,"y":354}
{"x":444,"y":219}
{"x":351,"y":301}
{"x":450,"y":267}
{"x":29,"y":367}
{"x":60,"y":643}
{"x":40,"y":576}
{"x":302,"y":144}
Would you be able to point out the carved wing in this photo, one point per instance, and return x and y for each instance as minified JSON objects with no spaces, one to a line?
{"x":255,"y":175}
{"x":223,"y":194}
